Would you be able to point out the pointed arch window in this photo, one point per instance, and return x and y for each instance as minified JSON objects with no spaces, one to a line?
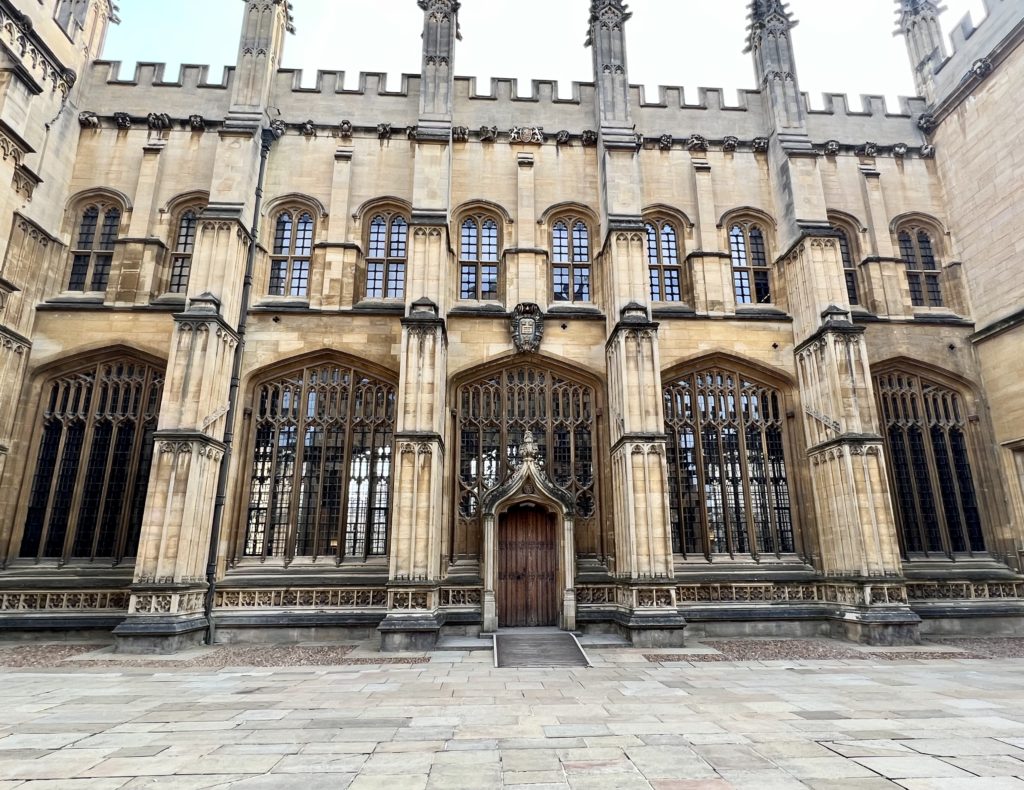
{"x":728,"y":484}
{"x":570,"y":261}
{"x":751,"y":276}
{"x":929,"y":463}
{"x":918,"y":254}
{"x":387,"y":256}
{"x":321,"y":465}
{"x":93,"y":251}
{"x":663,"y":261}
{"x":184,"y":246}
{"x":92,"y":466}
{"x":293,"y":246}
{"x":479,"y":254}
{"x":494,"y":414}
{"x":849,"y":265}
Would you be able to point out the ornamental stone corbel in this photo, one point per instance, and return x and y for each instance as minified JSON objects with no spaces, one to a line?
{"x":88,"y":120}
{"x":123,"y":121}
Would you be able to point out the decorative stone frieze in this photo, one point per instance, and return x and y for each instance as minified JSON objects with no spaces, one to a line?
{"x":760,"y":145}
{"x":900,"y":150}
{"x":313,"y":598}
{"x":158,"y":121}
{"x":927,"y":123}
{"x":730,"y":143}
{"x":563,"y":136}
{"x":460,"y":134}
{"x":867,"y":149}
{"x":123,"y":121}
{"x":24,"y":46}
{"x":88,"y":120}
{"x":197,"y":123}
{"x":588,"y":138}
{"x":345,"y":130}
{"x":309,"y":128}
{"x":64,"y":601}
{"x":832,"y":148}
{"x":665,"y":142}
{"x":384,"y":131}
{"x":488,"y":134}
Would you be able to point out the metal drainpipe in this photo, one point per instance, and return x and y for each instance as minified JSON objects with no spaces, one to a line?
{"x":268,"y":138}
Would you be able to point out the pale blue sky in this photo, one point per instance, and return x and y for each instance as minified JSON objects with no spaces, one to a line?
{"x":841,"y":46}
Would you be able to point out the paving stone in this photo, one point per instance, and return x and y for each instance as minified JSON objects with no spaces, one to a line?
{"x":910,"y":767}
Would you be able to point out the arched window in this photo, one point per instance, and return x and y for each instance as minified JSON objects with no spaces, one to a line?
{"x":750,"y":274}
{"x":918,"y":254}
{"x":849,"y":265}
{"x":320,"y":479}
{"x":93,"y":250}
{"x":570,"y":261}
{"x":386,"y":257}
{"x":181,"y":259}
{"x":495,"y":412}
{"x":663,"y":261}
{"x":92,"y":466}
{"x":293,"y":246}
{"x":728,"y":486}
{"x":478,"y":259}
{"x":929,"y":464}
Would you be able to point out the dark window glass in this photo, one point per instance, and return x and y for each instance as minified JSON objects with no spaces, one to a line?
{"x":320,"y":481}
{"x":478,"y":254}
{"x":751,"y":275}
{"x":290,"y":261}
{"x":728,"y":484}
{"x":93,"y":254}
{"x":181,"y":259}
{"x":387,"y":254}
{"x":92,"y":466}
{"x":663,"y":262}
{"x":918,"y":254}
{"x":570,"y":270}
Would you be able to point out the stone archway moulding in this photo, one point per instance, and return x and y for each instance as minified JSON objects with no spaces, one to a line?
{"x":530,"y":483}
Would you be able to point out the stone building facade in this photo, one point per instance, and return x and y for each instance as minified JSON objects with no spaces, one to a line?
{"x":278,"y":360}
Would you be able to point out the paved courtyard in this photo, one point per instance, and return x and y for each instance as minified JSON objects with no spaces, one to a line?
{"x":942,"y":716}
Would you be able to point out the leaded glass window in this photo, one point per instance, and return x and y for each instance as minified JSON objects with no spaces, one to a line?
{"x":751,"y":276}
{"x":918,"y":254}
{"x":494,"y":414}
{"x":663,"y":262}
{"x":386,"y":257}
{"x":181,"y":259}
{"x":293,"y":247}
{"x":849,"y":265}
{"x":92,"y":465}
{"x":728,"y":485}
{"x":930,"y":467}
{"x":93,"y":251}
{"x":478,"y":259}
{"x":570,"y":261}
{"x":321,"y":465}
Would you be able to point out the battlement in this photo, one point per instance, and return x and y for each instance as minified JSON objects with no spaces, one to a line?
{"x":973,"y":41}
{"x":152,"y":74}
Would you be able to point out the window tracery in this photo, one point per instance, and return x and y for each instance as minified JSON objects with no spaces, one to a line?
{"x":479,"y":256}
{"x":570,"y":261}
{"x":846,"y":253}
{"x":321,"y":464}
{"x":93,"y":462}
{"x":292,"y":251}
{"x":181,"y":258}
{"x":918,"y":253}
{"x":387,"y":256}
{"x":751,"y":275}
{"x":728,"y":485}
{"x":494,"y":414}
{"x":926,"y":427}
{"x":663,"y":255}
{"x":93,"y":251}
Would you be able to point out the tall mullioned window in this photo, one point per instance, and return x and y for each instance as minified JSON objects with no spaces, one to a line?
{"x":728,"y":483}
{"x":93,"y":251}
{"x":478,"y":259}
{"x":321,"y":465}
{"x":181,"y":258}
{"x":570,"y":261}
{"x":494,"y":414}
{"x":386,"y":257}
{"x":93,"y":461}
{"x":289,"y":262}
{"x":849,"y":265}
{"x":918,"y":254}
{"x":929,"y":462}
{"x":751,"y":276}
{"x":663,"y":262}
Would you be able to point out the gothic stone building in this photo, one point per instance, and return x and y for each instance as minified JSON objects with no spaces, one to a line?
{"x":281,"y":361}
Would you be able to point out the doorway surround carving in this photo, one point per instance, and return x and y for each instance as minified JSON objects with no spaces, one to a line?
{"x":530,"y":484}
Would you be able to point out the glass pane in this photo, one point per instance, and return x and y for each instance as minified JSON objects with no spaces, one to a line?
{"x":283,"y":235}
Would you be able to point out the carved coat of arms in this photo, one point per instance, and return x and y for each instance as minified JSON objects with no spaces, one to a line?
{"x":527,"y":327}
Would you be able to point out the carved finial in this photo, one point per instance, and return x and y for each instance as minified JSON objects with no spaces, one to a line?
{"x":528,"y":449}
{"x":607,"y":14}
{"x":767,"y":15}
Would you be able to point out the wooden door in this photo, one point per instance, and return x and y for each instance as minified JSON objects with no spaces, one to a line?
{"x":527,"y":569}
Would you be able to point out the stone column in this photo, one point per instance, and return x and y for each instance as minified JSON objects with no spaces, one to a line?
{"x":417,"y":519}
{"x":166,"y":610}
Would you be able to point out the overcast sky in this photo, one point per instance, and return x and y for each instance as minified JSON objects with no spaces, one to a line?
{"x":842,"y":46}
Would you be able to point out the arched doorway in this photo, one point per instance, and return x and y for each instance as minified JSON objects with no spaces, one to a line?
{"x":527,"y":573}
{"x":528,"y":539}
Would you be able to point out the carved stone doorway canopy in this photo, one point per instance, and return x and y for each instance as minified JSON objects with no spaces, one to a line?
{"x":530,"y":484}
